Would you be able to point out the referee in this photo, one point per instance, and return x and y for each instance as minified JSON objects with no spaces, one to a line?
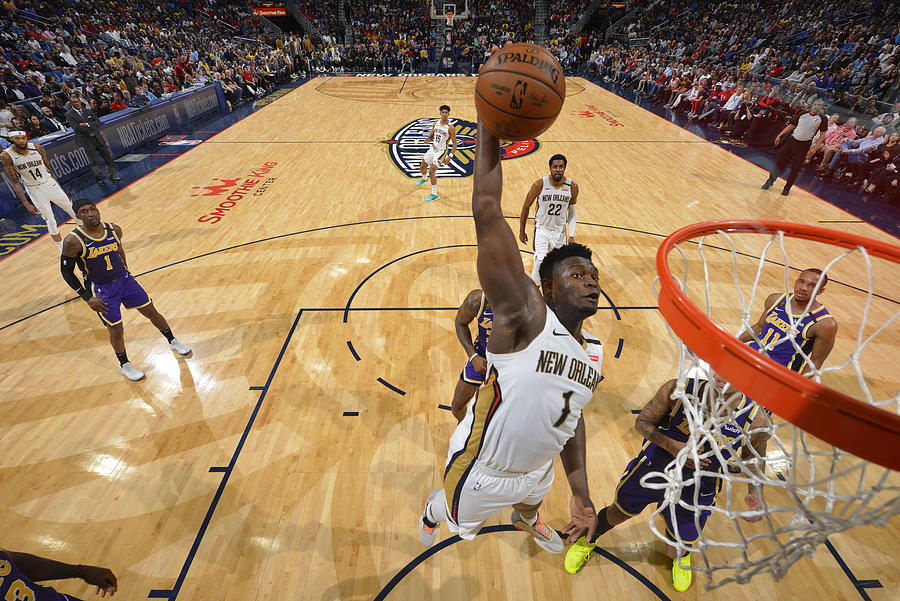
{"x":794,"y":150}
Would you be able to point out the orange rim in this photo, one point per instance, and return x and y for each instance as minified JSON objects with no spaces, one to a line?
{"x":840,"y":420}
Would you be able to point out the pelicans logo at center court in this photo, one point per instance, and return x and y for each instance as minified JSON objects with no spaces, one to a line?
{"x":407,"y":146}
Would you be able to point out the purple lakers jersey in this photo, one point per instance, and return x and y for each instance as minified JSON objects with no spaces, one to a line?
{"x":774,"y":335}
{"x":485,"y":320}
{"x":16,"y":585}
{"x":99,"y":258}
{"x":730,"y":435}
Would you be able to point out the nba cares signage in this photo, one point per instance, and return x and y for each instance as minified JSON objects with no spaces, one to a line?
{"x":407,"y":146}
{"x":228,"y":193}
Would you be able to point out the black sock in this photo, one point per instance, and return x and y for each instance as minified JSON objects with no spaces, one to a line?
{"x":168,"y":334}
{"x":428,"y":522}
{"x":122,"y":357}
{"x":603,"y":525}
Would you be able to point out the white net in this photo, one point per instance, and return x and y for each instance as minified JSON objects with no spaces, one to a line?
{"x":809,"y":489}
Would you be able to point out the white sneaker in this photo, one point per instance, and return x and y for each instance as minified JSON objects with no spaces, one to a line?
{"x":179,"y":347}
{"x":427,"y":535}
{"x":545,"y":536}
{"x":131,"y":372}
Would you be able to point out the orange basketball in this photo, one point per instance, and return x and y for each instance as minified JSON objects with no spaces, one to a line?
{"x":520,"y":91}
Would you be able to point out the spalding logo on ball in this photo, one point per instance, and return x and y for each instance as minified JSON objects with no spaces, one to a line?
{"x":520,"y":91}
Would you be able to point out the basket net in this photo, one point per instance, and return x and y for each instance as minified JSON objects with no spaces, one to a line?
{"x":810,"y":489}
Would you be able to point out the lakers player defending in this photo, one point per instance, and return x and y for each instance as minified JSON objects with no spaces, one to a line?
{"x":442,"y":132}
{"x":556,"y":196}
{"x":96,"y":247}
{"x":474,"y":308}
{"x":541,"y":372}
{"x":810,"y":342}
{"x":665,"y":428}
{"x":27,"y":167}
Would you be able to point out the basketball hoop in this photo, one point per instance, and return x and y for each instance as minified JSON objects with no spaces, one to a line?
{"x":815,"y":475}
{"x":450,"y":16}
{"x":854,"y":426}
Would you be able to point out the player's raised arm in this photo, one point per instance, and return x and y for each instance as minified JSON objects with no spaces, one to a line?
{"x":500,"y":268}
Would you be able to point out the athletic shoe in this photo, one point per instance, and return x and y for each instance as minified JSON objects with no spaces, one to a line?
{"x":431,"y":197}
{"x":578,"y":554}
{"x":785,"y":192}
{"x":131,"y":372}
{"x":421,"y":181}
{"x":681,"y":574}
{"x":767,"y":185}
{"x":179,"y":347}
{"x":545,"y":536}
{"x":427,"y":534}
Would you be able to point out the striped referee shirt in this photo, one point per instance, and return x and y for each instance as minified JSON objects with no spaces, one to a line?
{"x":807,"y":124}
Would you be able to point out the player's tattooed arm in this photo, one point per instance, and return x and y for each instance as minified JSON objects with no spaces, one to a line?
{"x":653,"y":413}
{"x":118,"y":232}
{"x":757,"y":328}
{"x":467,"y":312}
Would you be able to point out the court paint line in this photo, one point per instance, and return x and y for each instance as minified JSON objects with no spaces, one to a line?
{"x":444,"y":407}
{"x":350,"y":413}
{"x":256,"y":388}
{"x":620,"y":345}
{"x":635,"y":411}
{"x":353,"y":350}
{"x":857,"y":584}
{"x":172,"y":593}
{"x":378,"y":141}
{"x":434,"y":549}
{"x":843,"y":221}
{"x":423,"y":217}
{"x":391,"y":386}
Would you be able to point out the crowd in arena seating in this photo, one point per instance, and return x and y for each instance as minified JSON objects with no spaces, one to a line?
{"x":126,"y":55}
{"x":747,"y":69}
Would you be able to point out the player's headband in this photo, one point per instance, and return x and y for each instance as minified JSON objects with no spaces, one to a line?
{"x":18,"y":132}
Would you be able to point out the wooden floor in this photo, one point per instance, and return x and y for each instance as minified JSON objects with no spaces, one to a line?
{"x":289,"y":457}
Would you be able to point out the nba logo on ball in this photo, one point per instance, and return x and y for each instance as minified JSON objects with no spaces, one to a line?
{"x":520,"y":91}
{"x":477,"y":486}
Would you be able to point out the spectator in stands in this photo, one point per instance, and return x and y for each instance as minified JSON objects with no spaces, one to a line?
{"x":50,"y":122}
{"x":36,"y":128}
{"x":890,"y":118}
{"x":819,"y":140}
{"x":118,"y":102}
{"x":86,"y":124}
{"x":854,"y":151}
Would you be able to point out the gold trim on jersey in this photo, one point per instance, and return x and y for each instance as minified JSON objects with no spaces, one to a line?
{"x":486,"y":402}
{"x":89,"y":237}
{"x":627,"y":474}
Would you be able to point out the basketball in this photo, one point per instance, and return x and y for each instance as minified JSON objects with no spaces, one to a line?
{"x":520,"y":91}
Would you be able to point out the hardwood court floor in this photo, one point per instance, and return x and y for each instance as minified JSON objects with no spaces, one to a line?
{"x":289,"y":457}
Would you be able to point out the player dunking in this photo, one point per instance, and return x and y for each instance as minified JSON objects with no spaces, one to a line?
{"x":815,"y":327}
{"x":556,"y":196}
{"x":665,"y":429}
{"x":27,"y":166}
{"x":542,"y":371}
{"x":474,"y":308}
{"x":96,"y":247}
{"x":442,"y":132}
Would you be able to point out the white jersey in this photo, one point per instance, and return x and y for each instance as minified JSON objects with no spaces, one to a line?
{"x":30,"y":167}
{"x":441,"y":137}
{"x":553,"y":205}
{"x":529,"y":404}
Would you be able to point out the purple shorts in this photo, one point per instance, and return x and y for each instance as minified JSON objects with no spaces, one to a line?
{"x":632,"y":498}
{"x":124,"y":291}
{"x":470,"y":376}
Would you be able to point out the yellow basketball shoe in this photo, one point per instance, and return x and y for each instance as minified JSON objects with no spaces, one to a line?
{"x":681,"y":574}
{"x":578,"y":554}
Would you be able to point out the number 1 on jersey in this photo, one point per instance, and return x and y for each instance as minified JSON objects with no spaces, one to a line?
{"x":108,"y":264}
{"x":567,"y":396}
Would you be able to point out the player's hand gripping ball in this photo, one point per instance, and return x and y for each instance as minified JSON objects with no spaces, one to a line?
{"x":520,"y":91}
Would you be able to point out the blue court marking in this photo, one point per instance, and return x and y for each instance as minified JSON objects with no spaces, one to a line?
{"x":353,"y":350}
{"x":445,"y":407}
{"x":859,"y":585}
{"x":405,"y":570}
{"x":172,"y":593}
{"x":256,"y":388}
{"x":350,"y":413}
{"x":619,"y":347}
{"x":636,"y":411}
{"x":218,"y":469}
{"x":392,"y":387}
{"x":330,"y":227}
{"x":368,"y":277}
